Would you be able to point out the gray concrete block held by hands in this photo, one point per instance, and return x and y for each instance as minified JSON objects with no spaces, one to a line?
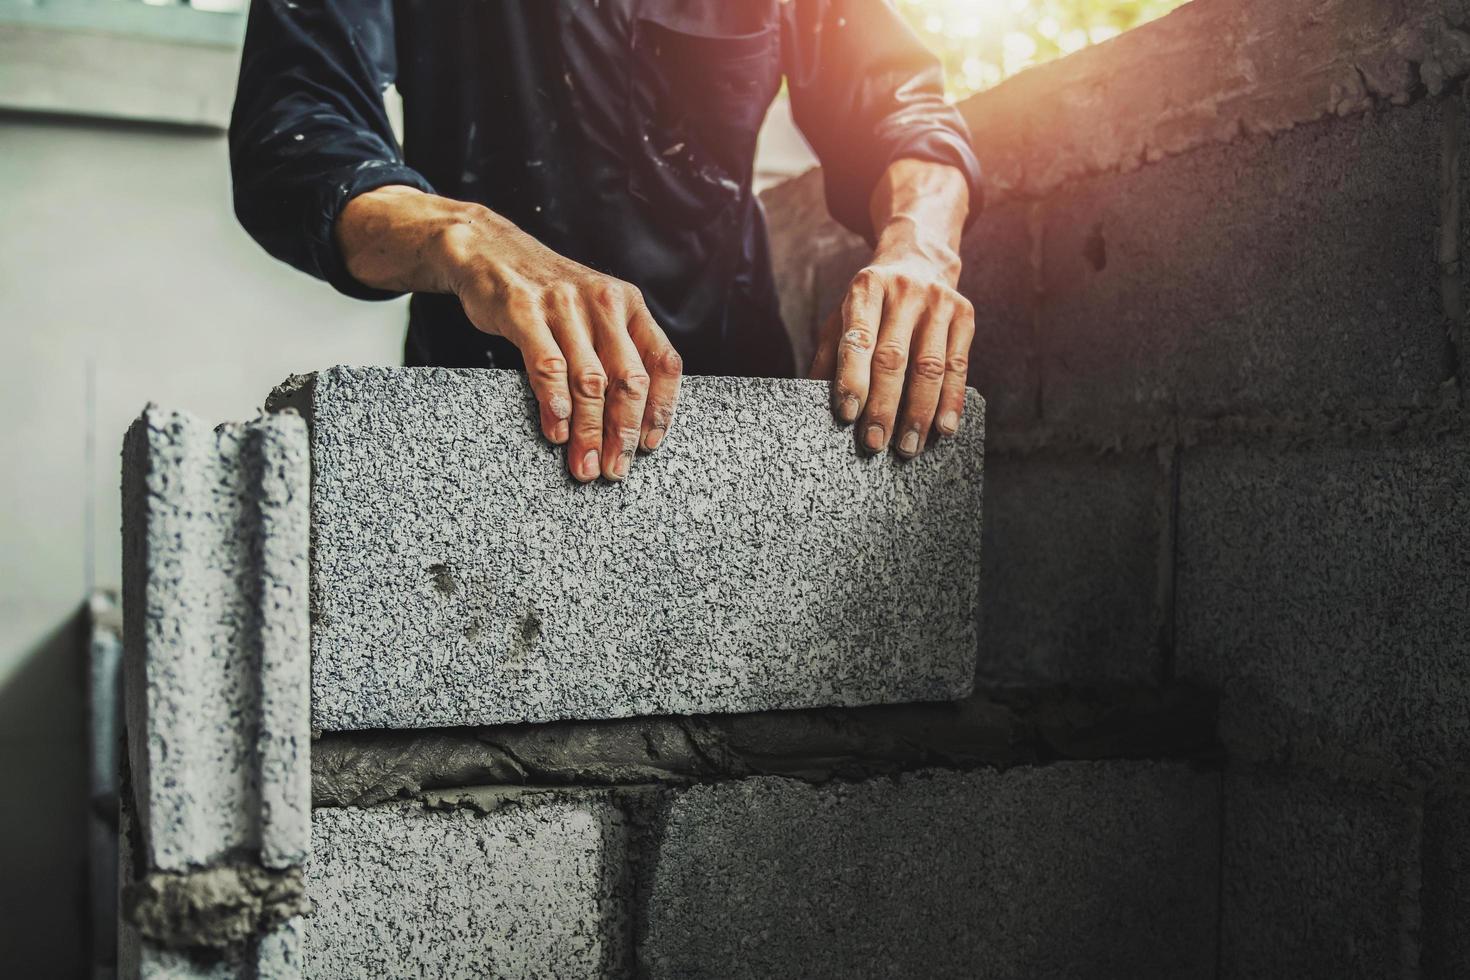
{"x":216,"y":639}
{"x":756,"y":561}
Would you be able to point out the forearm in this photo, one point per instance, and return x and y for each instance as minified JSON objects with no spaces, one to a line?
{"x":401,"y":239}
{"x":918,"y":210}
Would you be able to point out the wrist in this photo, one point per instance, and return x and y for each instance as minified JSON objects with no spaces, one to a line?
{"x":903,"y":238}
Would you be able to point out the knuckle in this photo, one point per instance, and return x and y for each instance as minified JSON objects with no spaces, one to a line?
{"x":938,"y":294}
{"x":963,"y":308}
{"x":928,"y":367}
{"x":667,"y":362}
{"x":957,"y":364}
{"x":866,"y":280}
{"x":631,"y":384}
{"x":548,"y":368}
{"x":521,"y":305}
{"x":591,"y":384}
{"x":904,"y":282}
{"x":857,"y":340}
{"x":889,"y":357}
{"x":608,"y":295}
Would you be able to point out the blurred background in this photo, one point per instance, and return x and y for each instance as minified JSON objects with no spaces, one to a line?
{"x":124,"y":278}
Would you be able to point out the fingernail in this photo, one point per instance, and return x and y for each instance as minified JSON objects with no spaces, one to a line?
{"x":590,"y":465}
{"x":654,"y":437}
{"x":949,"y":422}
{"x":847,"y":409}
{"x":874,"y":438}
{"x":621,"y":463}
{"x":909,"y":444}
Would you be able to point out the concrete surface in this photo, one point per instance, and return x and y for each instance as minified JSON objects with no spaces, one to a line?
{"x":1206,"y":73}
{"x":1307,"y":279}
{"x":730,"y":572}
{"x":1075,"y":585}
{"x":216,"y":676}
{"x":1320,"y":879}
{"x":1072,"y":870}
{"x":1445,"y":901}
{"x":526,"y":890}
{"x":1325,"y":591}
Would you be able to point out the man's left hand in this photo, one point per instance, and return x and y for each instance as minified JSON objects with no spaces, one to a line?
{"x":897,"y":351}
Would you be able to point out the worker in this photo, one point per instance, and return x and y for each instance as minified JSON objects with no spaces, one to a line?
{"x":574,"y":196}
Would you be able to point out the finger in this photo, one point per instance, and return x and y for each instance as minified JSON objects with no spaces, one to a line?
{"x":665,"y":369}
{"x":956,"y":371}
{"x":627,"y":381}
{"x":824,"y":361}
{"x":546,"y":369}
{"x":861,"y":312}
{"x":901,"y":311}
{"x":925,"y":377}
{"x":588,"y":385}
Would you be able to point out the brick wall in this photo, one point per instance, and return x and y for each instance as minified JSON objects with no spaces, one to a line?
{"x":1222,"y":348}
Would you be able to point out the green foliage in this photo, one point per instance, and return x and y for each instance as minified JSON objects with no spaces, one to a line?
{"x":984,"y":41}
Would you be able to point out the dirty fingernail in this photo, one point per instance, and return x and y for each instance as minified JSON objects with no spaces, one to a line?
{"x":589,"y":465}
{"x":620,"y":465}
{"x":654,"y":437}
{"x":847,"y":409}
{"x":949,"y":422}
{"x":909,"y":444}
{"x":873,"y":438}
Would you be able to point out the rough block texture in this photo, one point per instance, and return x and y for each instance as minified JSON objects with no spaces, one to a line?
{"x":527,"y":890}
{"x":1210,"y":72}
{"x":459,"y":575}
{"x":1074,"y":870}
{"x":1319,"y":879}
{"x":1000,"y":277}
{"x":1074,"y":588}
{"x":1445,"y":893}
{"x":1326,"y":592}
{"x":1298,"y":273}
{"x":216,"y":647}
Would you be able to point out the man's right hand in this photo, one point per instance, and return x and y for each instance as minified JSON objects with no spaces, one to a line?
{"x":605,"y":376}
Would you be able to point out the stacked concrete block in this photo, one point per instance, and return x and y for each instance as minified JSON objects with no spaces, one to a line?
{"x":1298,"y":273}
{"x":216,"y":692}
{"x":524,"y":887}
{"x":1071,"y":870}
{"x":1325,"y":592}
{"x":1320,"y":878}
{"x":1076,"y":586}
{"x":756,"y":561}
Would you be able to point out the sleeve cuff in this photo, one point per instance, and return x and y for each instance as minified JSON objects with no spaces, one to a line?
{"x":337,"y":189}
{"x":849,"y":204}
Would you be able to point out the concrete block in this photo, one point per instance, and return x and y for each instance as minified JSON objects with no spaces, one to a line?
{"x":1000,"y":277}
{"x":215,"y":635}
{"x":1072,"y":870}
{"x":756,"y":561}
{"x":1445,"y":894}
{"x":1295,"y":273}
{"x":1318,"y":878}
{"x":527,"y":890}
{"x":1075,"y":583}
{"x":1326,"y":593}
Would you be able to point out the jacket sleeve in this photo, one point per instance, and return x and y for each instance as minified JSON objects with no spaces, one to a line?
{"x":866,"y":92}
{"x":310,"y":131}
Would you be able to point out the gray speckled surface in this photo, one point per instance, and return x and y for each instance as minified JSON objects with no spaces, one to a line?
{"x":755,"y":561}
{"x":216,"y":638}
{"x":1073,"y":870}
{"x":527,"y":890}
